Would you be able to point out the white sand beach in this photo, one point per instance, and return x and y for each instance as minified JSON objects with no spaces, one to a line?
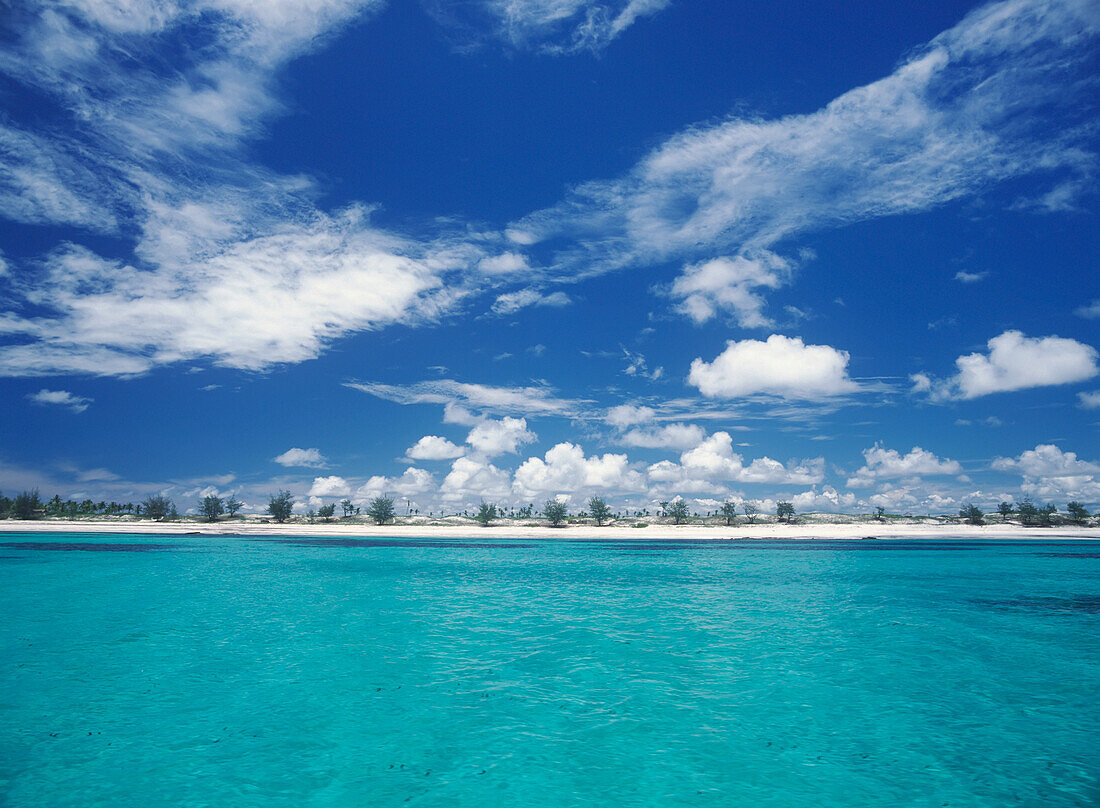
{"x":806,"y":531}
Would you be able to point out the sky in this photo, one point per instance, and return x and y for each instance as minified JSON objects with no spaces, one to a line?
{"x":842,"y":254}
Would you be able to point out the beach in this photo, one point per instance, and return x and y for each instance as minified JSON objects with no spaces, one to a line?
{"x":807,"y":531}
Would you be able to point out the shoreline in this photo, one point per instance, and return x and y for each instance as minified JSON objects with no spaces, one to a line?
{"x":658,"y":532}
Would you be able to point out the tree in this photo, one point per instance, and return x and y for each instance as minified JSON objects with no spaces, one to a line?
{"x":750,"y":512}
{"x":156,"y":507}
{"x":486,"y":513}
{"x":26,"y":504}
{"x":880,"y":513}
{"x":1029,"y":514}
{"x":678,"y":510}
{"x":326,"y":512}
{"x":784,"y":511}
{"x":972,"y":514}
{"x":1046,"y":514}
{"x":729,"y":510}
{"x":212,"y":507}
{"x":232,"y":505}
{"x":599,"y":510}
{"x":1005,"y":510}
{"x":348,"y":507}
{"x":381,"y":510}
{"x":555,"y":512}
{"x":1078,"y":513}
{"x":280,"y":505}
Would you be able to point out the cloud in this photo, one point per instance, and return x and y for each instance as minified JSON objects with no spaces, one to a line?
{"x":475,"y":479}
{"x":458,"y":396}
{"x":713,"y":461}
{"x":781,"y":366}
{"x":329,"y":487}
{"x":1089,"y":401}
{"x":1014,"y":362}
{"x":511,"y":302}
{"x":565,"y":469}
{"x":886,"y":464}
{"x":492,"y":438}
{"x":1090,"y":312}
{"x":828,"y":499}
{"x":308,"y":458}
{"x":670,"y":436}
{"x":504,"y":264}
{"x":1049,"y":472}
{"x":625,"y":415}
{"x":61,"y":398}
{"x":549,"y":26}
{"x":434,"y":447}
{"x":962,"y":276}
{"x":966,"y":112}
{"x":727,"y":284}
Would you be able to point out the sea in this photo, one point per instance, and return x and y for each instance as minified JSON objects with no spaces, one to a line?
{"x":276,"y":671}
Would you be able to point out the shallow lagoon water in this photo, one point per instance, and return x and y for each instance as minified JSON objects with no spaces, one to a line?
{"x":225,"y":671}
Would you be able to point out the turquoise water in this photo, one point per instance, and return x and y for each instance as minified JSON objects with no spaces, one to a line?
{"x":193,"y":671}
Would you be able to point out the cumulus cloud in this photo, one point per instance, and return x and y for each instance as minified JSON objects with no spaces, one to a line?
{"x":713,"y":461}
{"x":1090,"y":400}
{"x":475,"y":479}
{"x":727,"y":285}
{"x":61,"y":398}
{"x":329,"y":487}
{"x":962,"y":276}
{"x":565,"y":469}
{"x":1051,"y":472}
{"x":828,"y":499}
{"x":1091,"y":311}
{"x":1014,"y":362}
{"x":309,"y":458}
{"x":434,"y":447}
{"x":492,"y":438}
{"x":886,"y":464}
{"x":781,"y":366}
{"x":626,"y":415}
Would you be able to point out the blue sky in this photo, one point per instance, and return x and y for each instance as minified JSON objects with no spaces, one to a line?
{"x":507,"y":250}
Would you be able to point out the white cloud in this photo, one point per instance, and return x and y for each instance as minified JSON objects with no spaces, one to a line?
{"x":1049,"y":472}
{"x":550,"y":26}
{"x":565,"y":469}
{"x":61,"y":398}
{"x":491,"y":438}
{"x":434,"y":447}
{"x":886,"y":464}
{"x":962,"y":276}
{"x":728,"y":284}
{"x":671,"y":436}
{"x":504,"y":264}
{"x":329,"y":487}
{"x":475,"y":479}
{"x":309,"y":458}
{"x":828,"y":499}
{"x":413,"y":481}
{"x":625,"y":415}
{"x":1014,"y":362}
{"x":965,"y":112}
{"x":1091,"y":311}
{"x":511,"y":302}
{"x":1089,"y":401}
{"x":713,"y":460}
{"x":459,"y":396}
{"x":781,"y":366}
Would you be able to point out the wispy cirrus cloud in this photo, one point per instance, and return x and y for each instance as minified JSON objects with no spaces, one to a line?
{"x":61,"y":398}
{"x":965,"y":113}
{"x":530,"y":400}
{"x":549,"y":26}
